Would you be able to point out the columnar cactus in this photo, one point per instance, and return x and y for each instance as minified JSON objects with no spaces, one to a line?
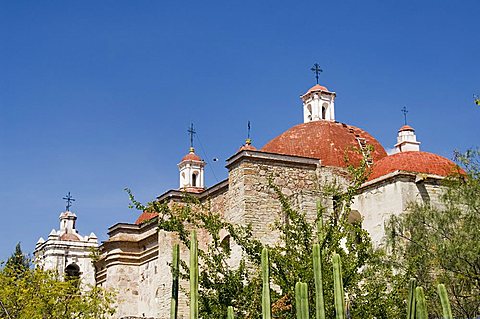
{"x":266,"y":308}
{"x":320,"y":234}
{"x":338,"y":286}
{"x":317,"y":271}
{"x":447,"y":311}
{"x":193,"y":275}
{"x":230,"y":312}
{"x":301,"y":300}
{"x":421,"y":305}
{"x":411,"y":299}
{"x":175,"y":270}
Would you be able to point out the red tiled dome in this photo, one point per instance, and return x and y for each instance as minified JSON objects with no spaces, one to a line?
{"x":326,"y":140}
{"x":317,"y":87}
{"x":191,"y":157}
{"x":416,"y":162}
{"x":406,"y":128}
{"x":69,"y":237}
{"x":144,"y":217}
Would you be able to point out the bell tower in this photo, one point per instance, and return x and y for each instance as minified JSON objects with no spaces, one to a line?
{"x":407,"y":140}
{"x":318,"y":104}
{"x":191,"y":169}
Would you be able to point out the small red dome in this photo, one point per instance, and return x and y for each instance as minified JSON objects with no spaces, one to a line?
{"x":326,"y":140}
{"x":247,"y":146}
{"x":144,"y":217}
{"x":406,"y":128}
{"x":318,"y":87}
{"x":69,"y":237}
{"x":191,"y":157}
{"x":415,"y":162}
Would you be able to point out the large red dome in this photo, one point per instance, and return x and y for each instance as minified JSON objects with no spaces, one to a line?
{"x":326,"y":140}
{"x":416,"y":162}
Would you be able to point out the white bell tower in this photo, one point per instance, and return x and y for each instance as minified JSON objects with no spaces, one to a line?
{"x":407,"y":140}
{"x":192,"y":172}
{"x":318,"y":104}
{"x":191,"y":169}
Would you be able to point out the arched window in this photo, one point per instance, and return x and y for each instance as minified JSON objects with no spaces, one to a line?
{"x":309,"y":109}
{"x":324,"y":111}
{"x":225,"y":243}
{"x":72,"y":274}
{"x":194,"y":179}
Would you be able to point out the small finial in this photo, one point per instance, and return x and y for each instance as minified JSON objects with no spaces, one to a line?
{"x":69,"y":200}
{"x":192,"y":132}
{"x":248,"y":141}
{"x":404,"y":111}
{"x":316,"y":69}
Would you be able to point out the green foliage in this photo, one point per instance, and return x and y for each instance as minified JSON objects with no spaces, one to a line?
{"x":27,"y":293}
{"x":439,"y":244}
{"x":18,"y":262}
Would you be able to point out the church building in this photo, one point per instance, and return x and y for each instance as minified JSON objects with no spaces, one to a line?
{"x":135,"y":258}
{"x":66,"y":251}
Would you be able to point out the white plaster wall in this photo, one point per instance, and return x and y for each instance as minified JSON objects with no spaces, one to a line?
{"x":377,"y":204}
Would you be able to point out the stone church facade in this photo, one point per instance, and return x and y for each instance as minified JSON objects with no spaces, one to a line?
{"x":134,"y":260}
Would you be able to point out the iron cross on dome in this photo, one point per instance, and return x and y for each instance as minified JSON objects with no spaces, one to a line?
{"x":404,"y":111}
{"x":69,"y":200}
{"x":192,"y":132}
{"x":316,"y":69}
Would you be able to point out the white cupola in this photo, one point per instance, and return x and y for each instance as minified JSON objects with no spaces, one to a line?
{"x":407,"y":140}
{"x":318,"y":104}
{"x":192,"y":172}
{"x":67,"y":222}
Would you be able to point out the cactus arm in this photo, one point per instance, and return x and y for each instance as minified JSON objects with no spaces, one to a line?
{"x":266,"y":308}
{"x":421,"y":305}
{"x":338,"y":286}
{"x":193,"y":275}
{"x":447,"y":311}
{"x":317,"y":271}
{"x":175,"y":269}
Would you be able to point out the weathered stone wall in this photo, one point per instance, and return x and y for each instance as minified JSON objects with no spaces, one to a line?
{"x":252,"y":201}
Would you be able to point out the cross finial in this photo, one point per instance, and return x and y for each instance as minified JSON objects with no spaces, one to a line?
{"x":69,"y":200}
{"x":404,"y":111}
{"x":316,"y":69}
{"x":192,"y":132}
{"x":248,"y":140}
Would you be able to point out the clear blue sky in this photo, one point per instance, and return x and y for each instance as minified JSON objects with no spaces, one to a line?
{"x":96,"y":96}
